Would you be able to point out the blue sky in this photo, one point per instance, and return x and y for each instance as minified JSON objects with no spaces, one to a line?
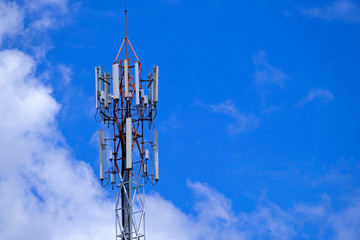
{"x":257,"y":107}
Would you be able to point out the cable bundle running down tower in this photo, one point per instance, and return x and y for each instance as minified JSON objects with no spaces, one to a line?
{"x":128,"y":147}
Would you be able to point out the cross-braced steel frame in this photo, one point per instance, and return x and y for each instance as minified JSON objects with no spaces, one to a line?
{"x":130,"y":187}
{"x":128,"y":174}
{"x":130,"y":183}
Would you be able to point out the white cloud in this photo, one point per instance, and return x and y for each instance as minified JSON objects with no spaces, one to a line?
{"x":45,"y":193}
{"x":60,"y":5}
{"x":346,"y":223}
{"x":213,"y":218}
{"x":26,"y":23}
{"x":42,"y":189}
{"x":167,"y":221}
{"x":241,"y":122}
{"x":66,"y":73}
{"x":11,"y":20}
{"x":322,"y":94}
{"x":343,"y":223}
{"x":268,"y":221}
{"x":208,"y":198}
{"x":345,"y":10}
{"x":266,"y":75}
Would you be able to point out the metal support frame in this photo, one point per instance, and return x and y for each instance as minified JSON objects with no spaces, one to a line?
{"x":128,"y":180}
{"x":130,"y":217}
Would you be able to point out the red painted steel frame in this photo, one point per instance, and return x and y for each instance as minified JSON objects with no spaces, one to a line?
{"x":120,"y":106}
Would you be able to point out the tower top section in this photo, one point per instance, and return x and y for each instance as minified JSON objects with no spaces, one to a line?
{"x":125,"y":43}
{"x":126,"y":102}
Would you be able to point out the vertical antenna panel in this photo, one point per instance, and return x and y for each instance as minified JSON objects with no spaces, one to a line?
{"x":146,"y":101}
{"x":151,"y":85}
{"x":151,"y":91}
{"x":113,"y":178}
{"x":128,"y":143}
{"x":106,"y":95}
{"x":142,"y":93}
{"x":126,"y":77}
{"x":156,"y":86}
{"x":99,"y":80}
{"x":101,"y":157}
{"x":110,"y":155}
{"x":115,"y":77}
{"x":96,"y":87}
{"x":156,"y":152}
{"x":137,"y":83}
{"x":145,"y":169}
{"x":146,"y":154}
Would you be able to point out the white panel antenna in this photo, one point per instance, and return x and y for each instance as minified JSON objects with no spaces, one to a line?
{"x":150,"y":87}
{"x":96,"y":86}
{"x":113,"y":178}
{"x":142,"y":93}
{"x":156,"y":153}
{"x":110,"y":155}
{"x":156,"y":85}
{"x":126,"y":77}
{"x":129,"y":143}
{"x":99,"y":80}
{"x":106,"y":94}
{"x":137,"y":86}
{"x":146,"y":154}
{"x":146,"y":158}
{"x":115,"y":78}
{"x":146,"y":101}
{"x":101,"y":156}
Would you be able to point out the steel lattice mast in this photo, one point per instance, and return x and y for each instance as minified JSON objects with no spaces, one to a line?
{"x":128,"y":156}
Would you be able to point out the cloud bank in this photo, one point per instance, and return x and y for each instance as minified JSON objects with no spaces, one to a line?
{"x":44,"y":191}
{"x":213,"y":218}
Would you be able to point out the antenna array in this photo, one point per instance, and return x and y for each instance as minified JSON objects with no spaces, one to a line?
{"x":126,"y":104}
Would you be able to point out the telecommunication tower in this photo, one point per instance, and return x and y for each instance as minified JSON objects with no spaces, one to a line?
{"x":128,"y":144}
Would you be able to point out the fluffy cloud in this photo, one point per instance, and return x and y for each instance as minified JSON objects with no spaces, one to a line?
{"x":344,"y":10}
{"x":43,"y":189}
{"x":11,"y":20}
{"x":45,"y":14}
{"x":45,"y":193}
{"x":213,"y":218}
{"x":25,"y":24}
